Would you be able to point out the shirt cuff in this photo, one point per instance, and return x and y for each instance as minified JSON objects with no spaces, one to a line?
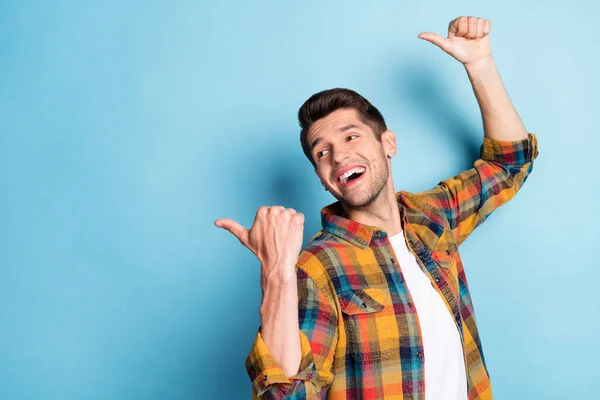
{"x":518,"y":152}
{"x":264,"y":371}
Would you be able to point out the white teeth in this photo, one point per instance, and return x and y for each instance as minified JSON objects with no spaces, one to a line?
{"x":344,"y":177}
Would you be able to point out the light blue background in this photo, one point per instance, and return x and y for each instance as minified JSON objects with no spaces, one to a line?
{"x":126,"y":129}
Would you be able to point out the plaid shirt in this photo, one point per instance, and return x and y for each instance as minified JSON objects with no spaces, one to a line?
{"x":359,"y":331}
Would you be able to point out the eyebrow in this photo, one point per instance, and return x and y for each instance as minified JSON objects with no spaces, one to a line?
{"x":342,"y":129}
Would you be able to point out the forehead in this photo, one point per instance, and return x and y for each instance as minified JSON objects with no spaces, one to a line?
{"x":334,"y":122}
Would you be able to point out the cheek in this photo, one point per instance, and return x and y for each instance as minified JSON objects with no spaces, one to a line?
{"x":323,"y":175}
{"x":379,"y":163}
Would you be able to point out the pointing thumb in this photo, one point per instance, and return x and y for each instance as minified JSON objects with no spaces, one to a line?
{"x":236,"y":229}
{"x":435,"y":39}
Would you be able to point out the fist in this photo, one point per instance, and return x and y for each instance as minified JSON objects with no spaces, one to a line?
{"x":468,"y":39}
{"x":275,"y":238}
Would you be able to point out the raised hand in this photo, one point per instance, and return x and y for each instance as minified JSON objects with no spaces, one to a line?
{"x":468,"y":39}
{"x":275,"y":238}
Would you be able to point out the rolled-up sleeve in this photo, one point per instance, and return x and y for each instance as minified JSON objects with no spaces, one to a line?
{"x":467,"y":199}
{"x":265,"y":373}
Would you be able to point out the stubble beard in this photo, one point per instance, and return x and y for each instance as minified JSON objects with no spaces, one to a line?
{"x":380,"y":176}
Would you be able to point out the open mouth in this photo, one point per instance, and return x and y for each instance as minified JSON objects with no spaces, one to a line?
{"x":351,"y":175}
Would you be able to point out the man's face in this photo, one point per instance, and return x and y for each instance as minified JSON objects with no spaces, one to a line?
{"x":350,"y":162}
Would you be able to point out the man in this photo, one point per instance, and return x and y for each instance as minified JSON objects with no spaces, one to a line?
{"x":377,"y":306}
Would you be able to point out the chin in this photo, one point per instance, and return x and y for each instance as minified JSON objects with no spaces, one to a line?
{"x":360,"y":203}
{"x":363,"y":199}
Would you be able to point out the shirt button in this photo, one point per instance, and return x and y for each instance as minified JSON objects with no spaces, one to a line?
{"x":392,"y":260}
{"x":419,"y":354}
{"x":265,"y":377}
{"x":380,"y":234}
{"x":447,"y":252}
{"x":437,"y":279}
{"x":364,"y":305}
{"x":409,"y":304}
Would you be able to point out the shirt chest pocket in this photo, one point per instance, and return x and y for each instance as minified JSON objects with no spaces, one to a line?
{"x":369,"y":323}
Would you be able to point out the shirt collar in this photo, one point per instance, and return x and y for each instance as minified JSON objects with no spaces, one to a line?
{"x":333,"y":221}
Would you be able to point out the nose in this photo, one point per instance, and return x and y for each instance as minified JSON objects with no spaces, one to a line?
{"x":339,"y":155}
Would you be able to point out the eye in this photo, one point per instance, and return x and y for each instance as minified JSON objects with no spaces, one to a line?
{"x":322,"y":153}
{"x":351,"y":137}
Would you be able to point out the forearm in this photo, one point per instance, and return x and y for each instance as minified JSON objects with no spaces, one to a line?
{"x":500,"y":118}
{"x":279,"y":324}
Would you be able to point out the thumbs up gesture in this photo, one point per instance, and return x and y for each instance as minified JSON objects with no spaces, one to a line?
{"x":275,"y":238}
{"x":468,"y":39}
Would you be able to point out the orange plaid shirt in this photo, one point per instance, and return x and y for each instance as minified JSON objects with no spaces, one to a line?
{"x":359,"y":332}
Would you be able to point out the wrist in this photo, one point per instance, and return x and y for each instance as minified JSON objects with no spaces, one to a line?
{"x":483,"y":64}
{"x":279,"y":273}
{"x":277,"y":283}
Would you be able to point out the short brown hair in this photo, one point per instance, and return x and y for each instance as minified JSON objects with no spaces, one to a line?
{"x":323,"y":103}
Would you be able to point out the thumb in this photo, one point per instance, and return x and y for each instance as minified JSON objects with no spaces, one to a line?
{"x":236,"y":229}
{"x":436,"y":39}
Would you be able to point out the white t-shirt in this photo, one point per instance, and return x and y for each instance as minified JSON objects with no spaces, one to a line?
{"x":445,"y":374}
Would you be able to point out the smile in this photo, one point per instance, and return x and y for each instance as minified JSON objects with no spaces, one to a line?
{"x":351,"y":175}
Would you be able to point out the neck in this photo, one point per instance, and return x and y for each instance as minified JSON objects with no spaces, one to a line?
{"x":382,"y":212}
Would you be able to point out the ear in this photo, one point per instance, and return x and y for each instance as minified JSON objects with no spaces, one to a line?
{"x":388,"y":140}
